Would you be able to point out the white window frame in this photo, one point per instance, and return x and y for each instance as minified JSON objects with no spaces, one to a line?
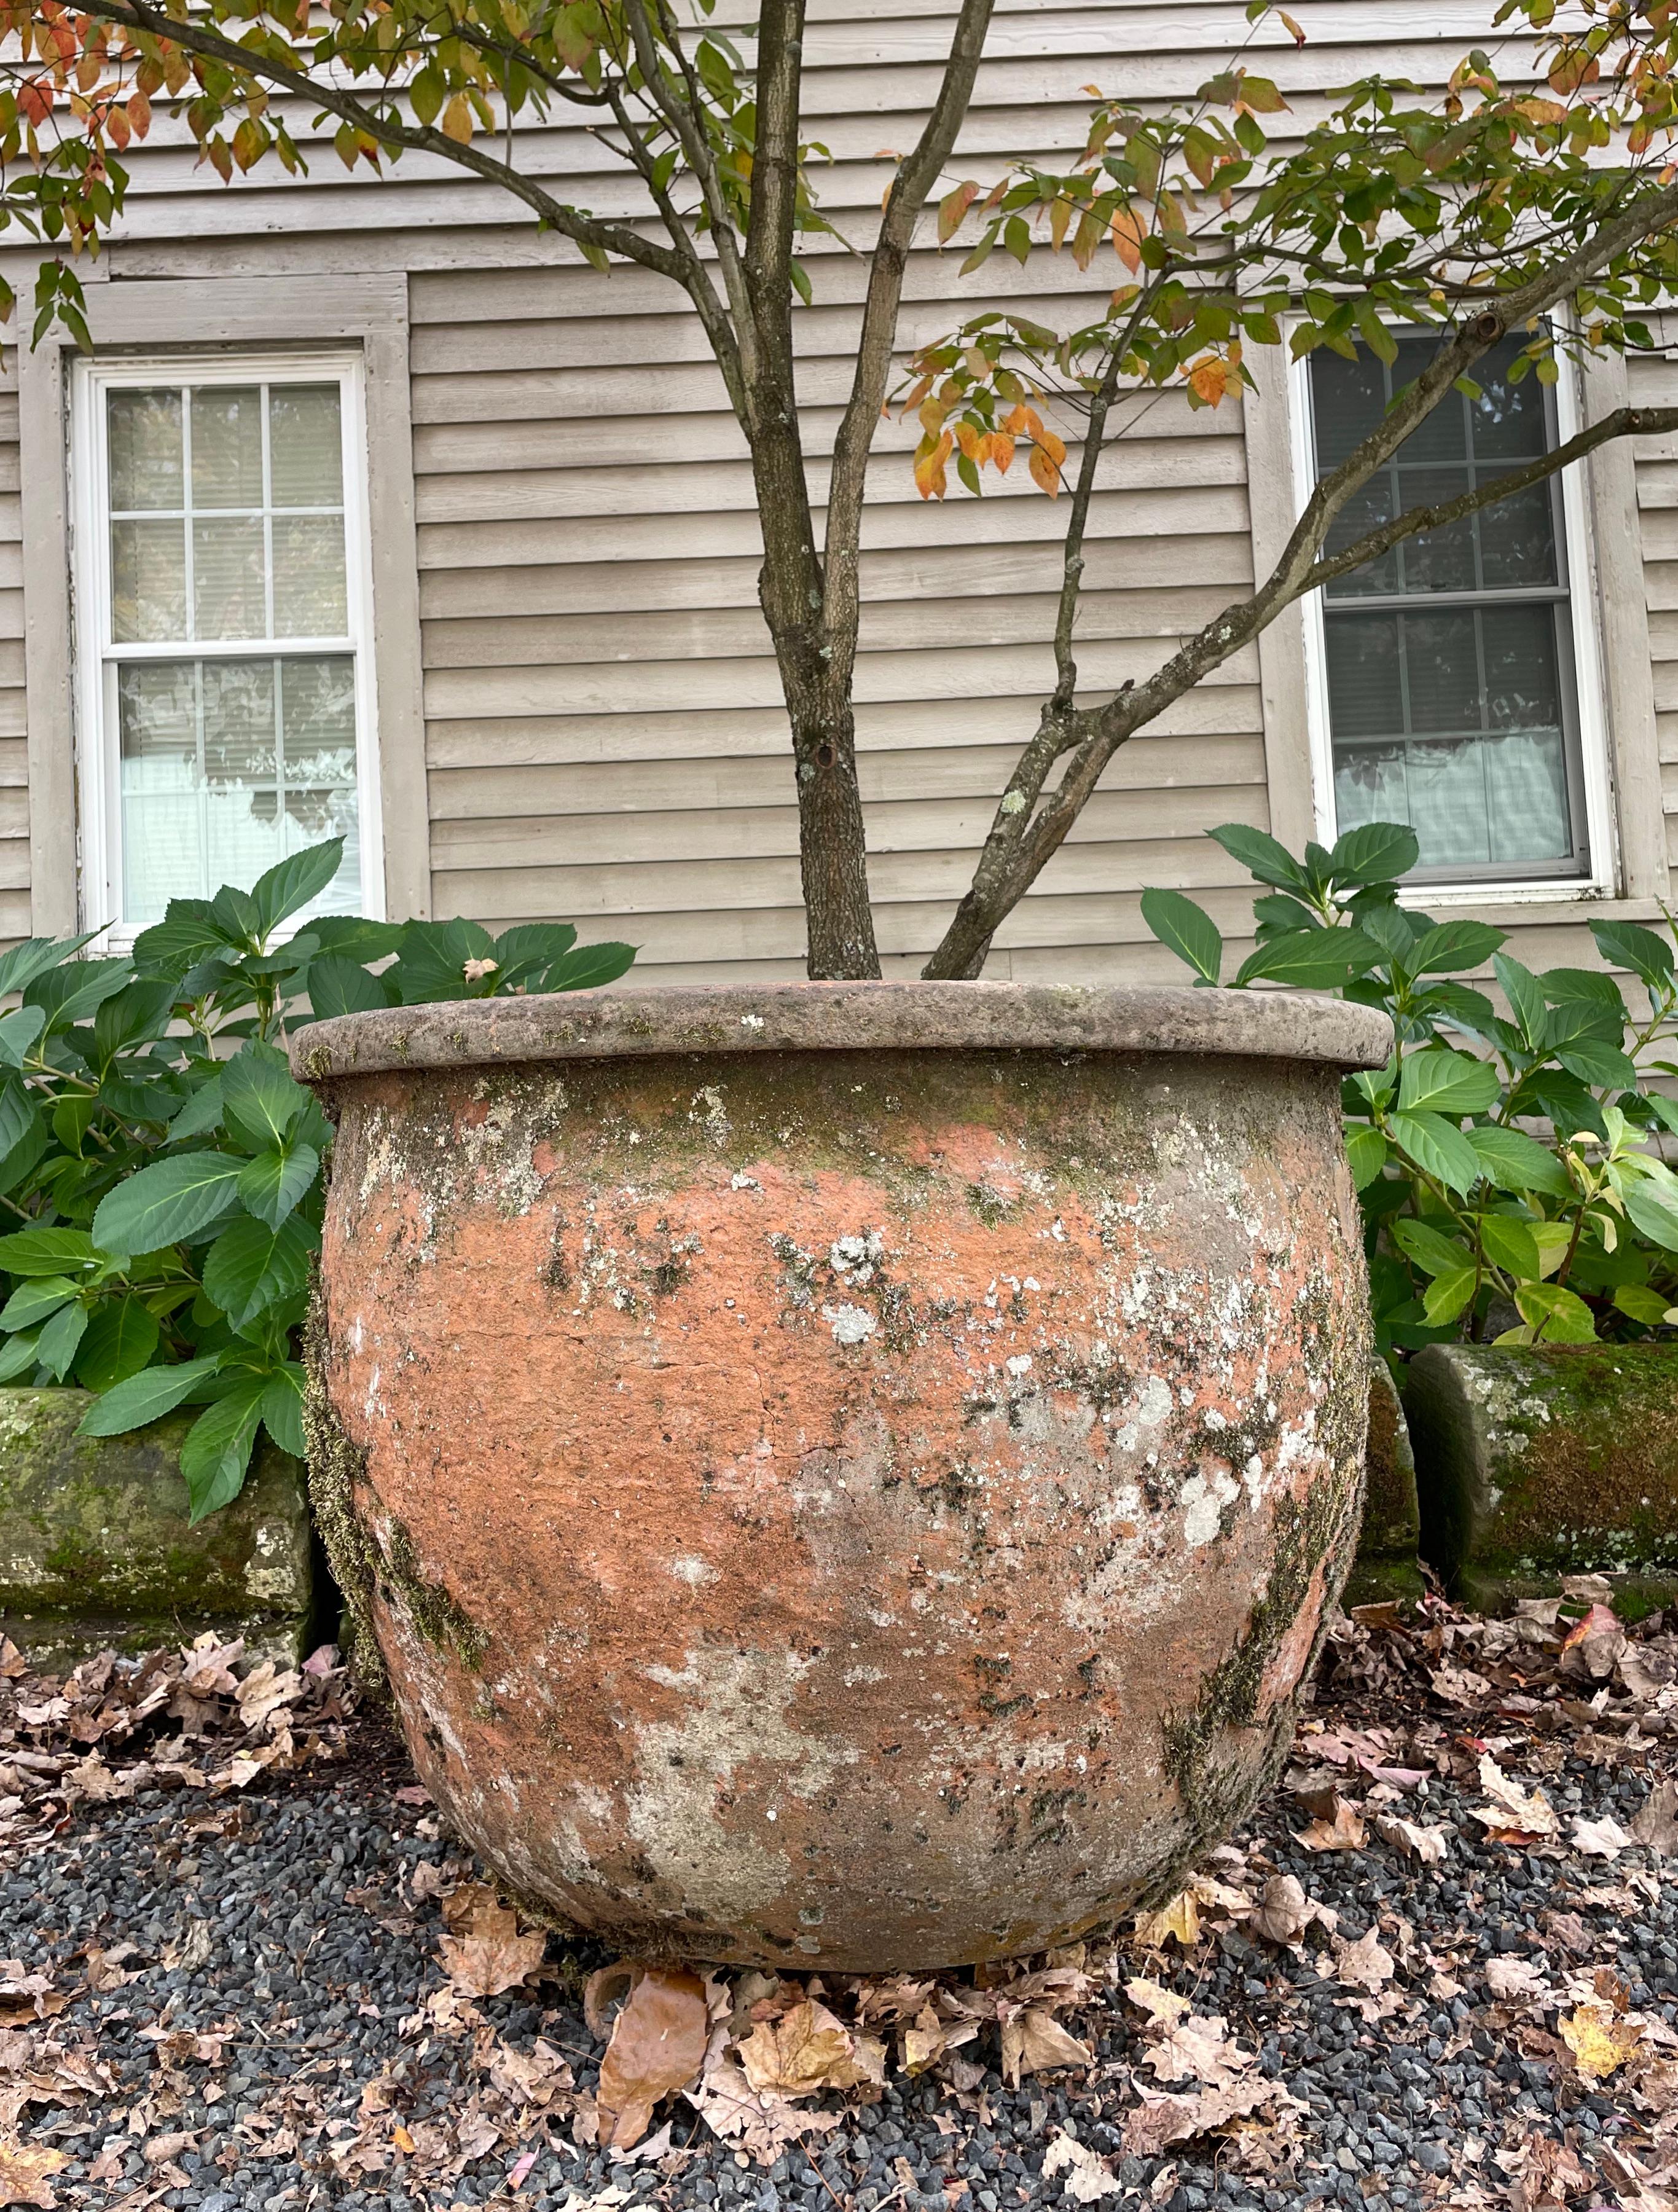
{"x":1588,"y":661}
{"x":96,"y":659}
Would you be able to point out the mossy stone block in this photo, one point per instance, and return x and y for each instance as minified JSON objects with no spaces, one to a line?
{"x":95,"y":1547}
{"x":1385,"y":1567}
{"x":1534,"y":1461}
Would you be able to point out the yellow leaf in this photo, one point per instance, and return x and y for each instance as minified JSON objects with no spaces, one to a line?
{"x":1598,"y":2041}
{"x":457,"y":123}
{"x":929,"y":479}
{"x":1181,"y":1919}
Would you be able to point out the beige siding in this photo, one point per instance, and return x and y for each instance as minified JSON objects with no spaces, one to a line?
{"x":604,"y":738}
{"x":1654,"y":383}
{"x":13,"y":766}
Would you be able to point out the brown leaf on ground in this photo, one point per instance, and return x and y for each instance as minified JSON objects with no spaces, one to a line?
{"x":1199,"y":2049}
{"x":658,"y":2045}
{"x":1654,"y":1823}
{"x":1340,"y":1827}
{"x":1592,"y":1646}
{"x":1516,"y":1981}
{"x":1163,"y":2006}
{"x":25,"y":2172}
{"x":486,"y":1954}
{"x":1514,"y":1815}
{"x":1181,"y":1919}
{"x":755,"y":2121}
{"x":1364,"y":1964}
{"x":1599,"y":1839}
{"x":104,"y":1968}
{"x":808,"y":2050}
{"x":1034,"y":2042}
{"x":1284,"y":1912}
{"x":1599,"y":2042}
{"x":1087,"y":2176}
{"x":1550,"y":2174}
{"x":1413,"y":1838}
{"x":933,"y":2035}
{"x":1161,"y":2119}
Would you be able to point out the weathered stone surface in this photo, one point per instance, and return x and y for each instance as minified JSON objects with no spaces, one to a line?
{"x":95,"y":1548}
{"x":1385,"y":1566}
{"x":853,"y":1504}
{"x":1537,"y":1461}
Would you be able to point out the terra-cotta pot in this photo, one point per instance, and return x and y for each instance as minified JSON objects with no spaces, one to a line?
{"x":842,"y":1474}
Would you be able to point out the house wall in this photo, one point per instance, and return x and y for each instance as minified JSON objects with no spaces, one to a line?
{"x":603,"y":740}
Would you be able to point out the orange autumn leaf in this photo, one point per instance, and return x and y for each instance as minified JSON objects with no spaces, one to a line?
{"x":1001,"y":452}
{"x":1209,"y":380}
{"x":658,"y":2045}
{"x":929,"y":479}
{"x":952,"y":211}
{"x":1128,"y":235}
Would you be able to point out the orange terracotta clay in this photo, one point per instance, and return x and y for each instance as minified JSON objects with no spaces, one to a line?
{"x":855,"y":1504}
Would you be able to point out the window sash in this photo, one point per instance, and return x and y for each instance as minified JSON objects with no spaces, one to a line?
{"x":1560,"y":597}
{"x":101,"y":657}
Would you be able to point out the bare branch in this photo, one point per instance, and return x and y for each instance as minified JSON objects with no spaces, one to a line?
{"x":911,"y":188}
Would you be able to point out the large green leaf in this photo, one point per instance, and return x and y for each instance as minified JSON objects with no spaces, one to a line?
{"x":1438,"y":1148}
{"x":1433,"y":1252}
{"x":431,"y":962}
{"x":1448,"y":1082}
{"x":17,"y":1356}
{"x":1308,"y":959}
{"x":1450,"y":946}
{"x":1446,"y":1295}
{"x":282,"y":1410}
{"x":1510,"y":1244}
{"x":20,"y":967}
{"x":1603,"y":1066}
{"x":46,"y":1251}
{"x":122,"y":1337}
{"x":200,"y":1113}
{"x":590,"y":968}
{"x":1374,"y":852}
{"x":352,"y":937}
{"x":1366,"y":1155}
{"x":71,"y":993}
{"x":31,"y":1302}
{"x":173,"y":1199}
{"x":216,"y":1453}
{"x":146,"y":1397}
{"x":287,"y":888}
{"x":55,"y":1347}
{"x":272,"y":1184}
{"x":260,"y":1097}
{"x":1650,"y":1196}
{"x":18,"y":1031}
{"x":251,"y":1267}
{"x":1261,"y":856}
{"x":18,"y":1111}
{"x":190,"y":932}
{"x":1526,"y":998}
{"x":1555,"y":1313}
{"x":526,"y":949}
{"x":1514,"y":1161}
{"x":341,"y":987}
{"x":1189,"y":930}
{"x":1628,"y":945}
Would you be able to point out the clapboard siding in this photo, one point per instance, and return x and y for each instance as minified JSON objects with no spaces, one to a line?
{"x":13,"y":751}
{"x":1653,"y":382}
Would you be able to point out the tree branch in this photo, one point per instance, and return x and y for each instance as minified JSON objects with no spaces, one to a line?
{"x":911,"y":186}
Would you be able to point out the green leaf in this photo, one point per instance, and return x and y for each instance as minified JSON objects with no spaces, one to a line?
{"x":138,"y":1013}
{"x":1374,"y":852}
{"x":1555,"y":1313}
{"x":18,"y":1031}
{"x":1188,"y":931}
{"x":251,"y":1267}
{"x":122,"y":1337}
{"x":167,"y":1202}
{"x":1628,"y":945}
{"x":1366,"y":1155}
{"x":1526,"y":998}
{"x":1452,"y":945}
{"x":342,"y":986}
{"x":55,"y":1347}
{"x":70,"y":993}
{"x":1448,"y":1082}
{"x":30,"y":1302}
{"x":1510,"y":1245}
{"x":20,"y":967}
{"x":292,"y":882}
{"x":17,"y":1356}
{"x":217,"y":1453}
{"x":282,"y":1410}
{"x":352,"y":937}
{"x":190,"y":932}
{"x":260,"y":1097}
{"x":1433,"y":1253}
{"x":1566,"y":1102}
{"x":46,"y":1251}
{"x":430,"y":964}
{"x":18,"y":1113}
{"x":1438,"y":1148}
{"x":1446,"y":1296}
{"x":1308,"y":959}
{"x":72,"y":1118}
{"x":1264,"y":859}
{"x":590,"y":968}
{"x":1641,"y":1304}
{"x":270,"y":1185}
{"x":1514,"y":1161}
{"x":146,"y":1397}
{"x":236,"y":913}
{"x":1603,"y":1066}
{"x":200,"y":1113}
{"x":1651,"y":1205}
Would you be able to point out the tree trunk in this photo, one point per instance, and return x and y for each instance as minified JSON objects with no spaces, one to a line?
{"x":832,"y":850}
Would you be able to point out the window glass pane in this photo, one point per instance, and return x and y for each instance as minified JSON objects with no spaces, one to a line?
{"x":238,"y":746}
{"x":1522,"y":686}
{"x":228,"y":600}
{"x":1350,"y":399}
{"x":311,"y":597}
{"x":1526,"y":789}
{"x":1443,"y":435}
{"x":1442,"y":664}
{"x":158,"y":746}
{"x":1366,"y":510}
{"x":1448,"y":803}
{"x":144,"y":435}
{"x":227,"y":446}
{"x":148,"y":581}
{"x":1439,"y":560}
{"x":320,"y":720}
{"x":1508,"y":419}
{"x":1370,"y":786}
{"x":1517,"y":540}
{"x":1364,"y":695}
{"x":305,"y":442}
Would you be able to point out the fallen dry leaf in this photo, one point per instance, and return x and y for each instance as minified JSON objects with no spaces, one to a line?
{"x":1180,"y":1918}
{"x":1199,"y":2049}
{"x":1412,"y":1838}
{"x":1160,"y":2004}
{"x":1654,"y":1823}
{"x":1593,"y":1645}
{"x":1601,"y":1839}
{"x":1514,"y":1815}
{"x":1339,"y":1829}
{"x":1087,"y":2177}
{"x":486,"y":1954}
{"x":1284,"y":1912}
{"x":1600,"y":2042}
{"x":658,"y":2045}
{"x":754,"y":2121}
{"x":1364,"y":1964}
{"x":1161,"y":2119}
{"x":808,"y":2050}
{"x":24,"y":2172}
{"x":1516,"y":1981}
{"x":1034,"y":2042}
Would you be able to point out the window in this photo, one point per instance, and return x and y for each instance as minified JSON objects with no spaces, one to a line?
{"x":1448,"y":664}
{"x":222,"y":646}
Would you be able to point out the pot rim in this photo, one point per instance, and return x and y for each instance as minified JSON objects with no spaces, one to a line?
{"x":701,"y":1019}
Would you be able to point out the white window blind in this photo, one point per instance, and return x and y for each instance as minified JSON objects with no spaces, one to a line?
{"x":222,"y":631}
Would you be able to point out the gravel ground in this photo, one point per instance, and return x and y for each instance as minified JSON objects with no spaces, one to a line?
{"x":283,"y":1962}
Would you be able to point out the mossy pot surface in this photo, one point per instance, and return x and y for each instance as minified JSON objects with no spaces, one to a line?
{"x":842,"y":1475}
